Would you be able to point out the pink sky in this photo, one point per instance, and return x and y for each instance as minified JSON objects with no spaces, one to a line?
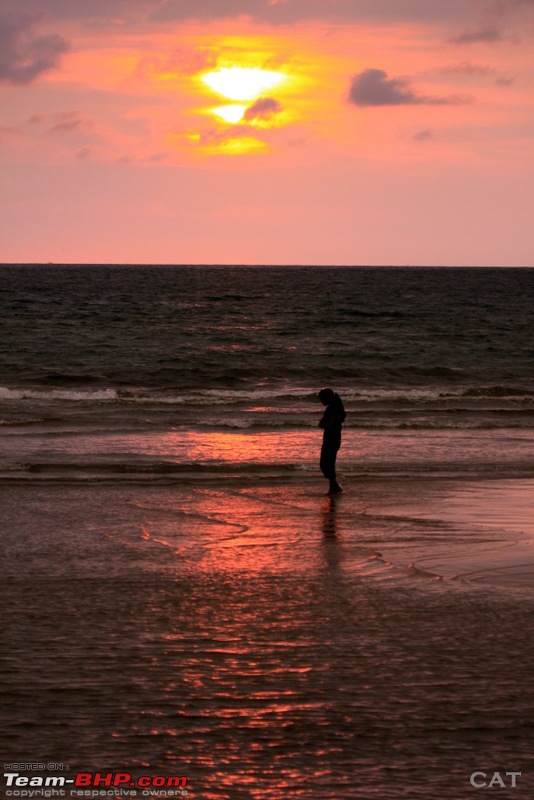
{"x":267,"y":131}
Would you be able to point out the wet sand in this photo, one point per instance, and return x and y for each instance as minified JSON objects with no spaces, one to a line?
{"x":268,"y":641}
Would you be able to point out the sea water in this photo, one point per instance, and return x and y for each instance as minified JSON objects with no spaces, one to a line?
{"x":179,"y":596}
{"x":202,"y":368}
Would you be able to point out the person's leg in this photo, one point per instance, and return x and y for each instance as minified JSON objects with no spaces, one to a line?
{"x":328,"y":466}
{"x":335,"y":488}
{"x":327,"y":462}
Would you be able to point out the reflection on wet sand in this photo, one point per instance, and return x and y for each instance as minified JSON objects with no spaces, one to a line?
{"x":329,"y":517}
{"x":249,"y":638}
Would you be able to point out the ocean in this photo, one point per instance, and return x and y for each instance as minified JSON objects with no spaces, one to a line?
{"x":181,"y":598}
{"x":136,"y":369}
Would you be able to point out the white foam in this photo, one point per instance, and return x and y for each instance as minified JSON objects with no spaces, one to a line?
{"x":57,"y":394}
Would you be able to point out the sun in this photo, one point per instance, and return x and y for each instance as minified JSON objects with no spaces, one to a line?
{"x":242,"y":83}
{"x":232,"y":114}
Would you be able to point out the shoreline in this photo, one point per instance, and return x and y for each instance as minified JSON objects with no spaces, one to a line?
{"x":473,"y":529}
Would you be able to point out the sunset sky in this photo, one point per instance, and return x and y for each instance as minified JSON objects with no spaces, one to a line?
{"x":267,"y":131}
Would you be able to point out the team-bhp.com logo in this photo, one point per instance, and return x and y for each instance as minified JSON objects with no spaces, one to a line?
{"x":117,"y":784}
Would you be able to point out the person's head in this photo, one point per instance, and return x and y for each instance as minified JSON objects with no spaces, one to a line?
{"x":326,"y":396}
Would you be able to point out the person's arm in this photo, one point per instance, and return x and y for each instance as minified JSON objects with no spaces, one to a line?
{"x":328,"y":420}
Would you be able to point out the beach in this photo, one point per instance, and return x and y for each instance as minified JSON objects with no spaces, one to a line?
{"x":271,"y":640}
{"x":183,"y":600}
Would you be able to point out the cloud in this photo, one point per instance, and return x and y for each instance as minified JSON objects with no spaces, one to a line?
{"x":238,"y":139}
{"x":156,"y":158}
{"x":213,"y":136}
{"x":93,"y":11}
{"x":425,"y":135}
{"x":36,"y":119}
{"x":372,"y":87}
{"x":83,"y":154}
{"x":263,"y":108}
{"x":61,"y":122}
{"x":9,"y":131}
{"x":69,"y":121}
{"x":505,"y":81}
{"x":183,"y":61}
{"x":126,"y":13}
{"x":498,"y":21}
{"x":465,"y":68}
{"x":24,"y":57}
{"x":490,"y":33}
{"x":291,"y":11}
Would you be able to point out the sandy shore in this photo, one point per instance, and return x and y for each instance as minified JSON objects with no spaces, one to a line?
{"x":267,"y":641}
{"x":476,"y":531}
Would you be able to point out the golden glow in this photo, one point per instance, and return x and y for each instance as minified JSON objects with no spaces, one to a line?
{"x":240,"y":146}
{"x":232,"y":114}
{"x":242,"y":83}
{"x":216,"y":143}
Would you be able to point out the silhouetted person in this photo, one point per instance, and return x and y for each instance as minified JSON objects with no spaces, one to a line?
{"x":331,"y":423}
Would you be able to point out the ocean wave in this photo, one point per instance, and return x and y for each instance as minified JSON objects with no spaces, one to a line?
{"x":222,"y":396}
{"x":355,"y":395}
{"x":501,"y":419}
{"x":500,"y":392}
{"x":146,"y":469}
{"x":73,"y":395}
{"x":438,"y":393}
{"x":166,"y":471}
{"x":16,"y":423}
{"x":289,"y":399}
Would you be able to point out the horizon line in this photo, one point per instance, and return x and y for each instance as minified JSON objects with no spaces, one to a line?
{"x":257,"y":265}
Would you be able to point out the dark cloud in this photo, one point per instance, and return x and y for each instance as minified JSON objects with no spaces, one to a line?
{"x":505,"y":81}
{"x":465,"y":68}
{"x":92,"y":11}
{"x":498,"y":20}
{"x":183,"y":9}
{"x":83,"y":154}
{"x":62,"y":122}
{"x":372,"y":87}
{"x":156,"y":158}
{"x":140,"y":12}
{"x":25,"y":56}
{"x":263,"y":108}
{"x":490,"y":33}
{"x":9,"y":131}
{"x":69,"y":121}
{"x":290,"y":11}
{"x":36,"y":119}
{"x":423,"y":136}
